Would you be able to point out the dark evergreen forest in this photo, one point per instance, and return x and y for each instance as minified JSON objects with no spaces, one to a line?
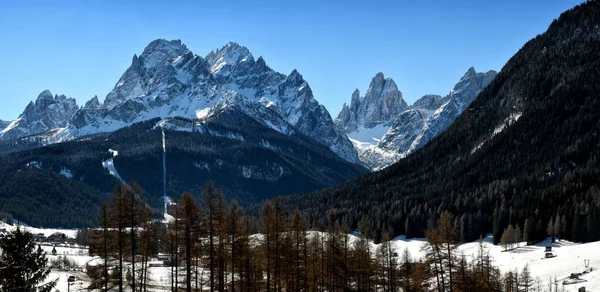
{"x":261,"y":164}
{"x":492,"y":170}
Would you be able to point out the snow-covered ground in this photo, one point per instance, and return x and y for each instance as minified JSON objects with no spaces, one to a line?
{"x":71,"y":233}
{"x":110,"y":165}
{"x":570,"y":258}
{"x":369,"y":135}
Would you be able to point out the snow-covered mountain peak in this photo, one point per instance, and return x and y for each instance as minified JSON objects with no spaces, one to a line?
{"x":160,"y":51}
{"x":48,"y":112}
{"x":168,"y":80}
{"x":46,"y":99}
{"x":424,"y":120}
{"x":161,"y":48}
{"x":231,"y":55}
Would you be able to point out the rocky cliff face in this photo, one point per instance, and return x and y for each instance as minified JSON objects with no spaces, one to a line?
{"x":434,"y":120}
{"x":4,"y":124}
{"x":46,"y":113}
{"x":168,"y":80}
{"x":382,"y":102}
{"x":418,"y":124}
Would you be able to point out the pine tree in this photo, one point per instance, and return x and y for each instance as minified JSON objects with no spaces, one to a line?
{"x":550,"y":229}
{"x":448,"y":237}
{"x":362,"y":267}
{"x":557,"y":226}
{"x":526,"y":281}
{"x":406,"y":271}
{"x":517,"y":236}
{"x":118,"y":220}
{"x":508,"y":238}
{"x":510,"y":280}
{"x":99,"y":274}
{"x":299,"y":234}
{"x":234,"y":229}
{"x":211,"y":202}
{"x":529,"y":231}
{"x":563,"y":227}
{"x":441,"y":251}
{"x":189,"y":216}
{"x":267,"y":229}
{"x":23,"y":265}
{"x":433,"y":253}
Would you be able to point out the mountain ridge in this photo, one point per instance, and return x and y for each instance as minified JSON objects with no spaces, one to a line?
{"x":168,"y":80}
{"x":406,"y":128}
{"x":249,"y":160}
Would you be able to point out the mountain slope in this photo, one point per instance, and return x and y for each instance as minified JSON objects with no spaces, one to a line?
{"x":3,"y":124}
{"x":168,"y":80}
{"x":249,"y":159}
{"x":425,"y":119}
{"x":47,"y":113}
{"x":525,"y":152}
{"x":383,"y":129}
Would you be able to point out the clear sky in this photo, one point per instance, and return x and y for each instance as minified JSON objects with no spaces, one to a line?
{"x":81,"y":48}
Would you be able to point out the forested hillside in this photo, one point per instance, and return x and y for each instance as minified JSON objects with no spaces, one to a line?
{"x":526,"y":152}
{"x":60,"y":185}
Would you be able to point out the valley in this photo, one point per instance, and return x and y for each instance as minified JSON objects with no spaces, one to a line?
{"x":216,"y":172}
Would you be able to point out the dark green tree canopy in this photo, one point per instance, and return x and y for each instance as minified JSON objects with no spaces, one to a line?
{"x":22,"y":264}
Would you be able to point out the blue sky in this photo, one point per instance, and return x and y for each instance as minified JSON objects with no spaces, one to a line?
{"x":81,"y":48}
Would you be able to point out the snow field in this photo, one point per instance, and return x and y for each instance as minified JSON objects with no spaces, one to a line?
{"x":569,"y":259}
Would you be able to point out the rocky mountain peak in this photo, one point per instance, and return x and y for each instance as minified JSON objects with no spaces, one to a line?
{"x":355,"y":95}
{"x":425,"y":119}
{"x":93,"y":103}
{"x":471,"y":71}
{"x":46,"y":94}
{"x":48,"y":112}
{"x":45,"y":99}
{"x":231,"y":55}
{"x":173,"y":47}
{"x":295,"y":78}
{"x":470,"y":85}
{"x":376,"y":84}
{"x":260,"y":66}
{"x":168,"y":80}
{"x":430,"y":101}
{"x":381,"y":103}
{"x":4,"y":124}
{"x":158,"y":51}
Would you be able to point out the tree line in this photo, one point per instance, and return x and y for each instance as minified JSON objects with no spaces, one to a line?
{"x":211,"y":244}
